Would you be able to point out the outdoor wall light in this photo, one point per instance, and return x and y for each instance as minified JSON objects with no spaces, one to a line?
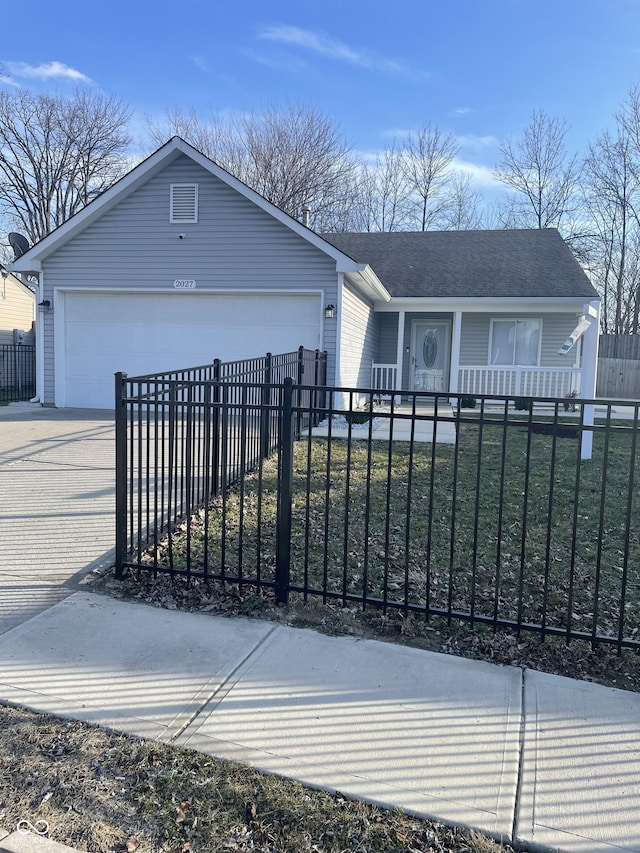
{"x":45,"y":305}
{"x":329,"y":312}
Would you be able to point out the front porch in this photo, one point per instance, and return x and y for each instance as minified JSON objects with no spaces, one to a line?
{"x":539,"y":351}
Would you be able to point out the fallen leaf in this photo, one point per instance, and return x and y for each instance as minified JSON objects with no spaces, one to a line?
{"x":181,"y":811}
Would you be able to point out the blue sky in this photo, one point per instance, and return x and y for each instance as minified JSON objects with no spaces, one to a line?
{"x":477,"y":68}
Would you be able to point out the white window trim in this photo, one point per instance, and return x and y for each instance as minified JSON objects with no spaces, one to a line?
{"x":182,"y":221}
{"x":514,"y":320}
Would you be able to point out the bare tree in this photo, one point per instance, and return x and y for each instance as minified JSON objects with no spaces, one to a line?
{"x":292,"y":156}
{"x":462,"y":210}
{"x":541,"y":175}
{"x":56,"y":155}
{"x":428,"y":159}
{"x":612,"y":199}
{"x":383,"y":195}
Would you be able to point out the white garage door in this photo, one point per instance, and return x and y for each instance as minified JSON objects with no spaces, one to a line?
{"x":149,"y":333}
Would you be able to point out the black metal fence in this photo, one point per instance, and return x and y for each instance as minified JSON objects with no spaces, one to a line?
{"x":17,"y":372}
{"x":185,"y":437}
{"x":486,"y":515}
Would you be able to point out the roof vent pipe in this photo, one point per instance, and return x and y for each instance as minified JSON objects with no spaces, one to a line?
{"x":306,"y":215}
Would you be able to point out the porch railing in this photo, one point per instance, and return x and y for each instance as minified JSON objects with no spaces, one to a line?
{"x":481,"y":379}
{"x":384,"y":376}
{"x":519,"y":381}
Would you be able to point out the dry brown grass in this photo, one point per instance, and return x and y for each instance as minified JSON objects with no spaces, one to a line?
{"x":101,"y":792}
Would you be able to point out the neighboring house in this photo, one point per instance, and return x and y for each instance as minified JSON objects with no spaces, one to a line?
{"x":17,"y":315}
{"x":179,"y":263}
{"x":17,"y":310}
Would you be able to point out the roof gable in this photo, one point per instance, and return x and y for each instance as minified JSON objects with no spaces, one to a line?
{"x":524,"y":263}
{"x":32,"y":259}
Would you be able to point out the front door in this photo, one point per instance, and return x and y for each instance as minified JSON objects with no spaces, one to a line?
{"x":430,"y":345}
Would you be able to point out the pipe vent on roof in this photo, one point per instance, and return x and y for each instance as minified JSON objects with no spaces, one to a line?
{"x":183,"y":204}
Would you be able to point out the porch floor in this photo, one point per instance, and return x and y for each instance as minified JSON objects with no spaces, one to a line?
{"x":402,"y":420}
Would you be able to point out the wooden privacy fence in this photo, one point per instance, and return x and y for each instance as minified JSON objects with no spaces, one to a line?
{"x":619,"y":367}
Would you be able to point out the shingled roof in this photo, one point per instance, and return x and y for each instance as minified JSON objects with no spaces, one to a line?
{"x":452,"y":264}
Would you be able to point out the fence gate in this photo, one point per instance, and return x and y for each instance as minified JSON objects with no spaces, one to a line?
{"x":17,"y":372}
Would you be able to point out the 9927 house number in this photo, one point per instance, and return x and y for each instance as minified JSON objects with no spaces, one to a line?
{"x":184,"y":284}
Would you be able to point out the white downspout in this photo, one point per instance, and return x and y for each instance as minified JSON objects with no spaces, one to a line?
{"x":338,"y":382}
{"x":39,"y":342}
{"x":589,"y":370}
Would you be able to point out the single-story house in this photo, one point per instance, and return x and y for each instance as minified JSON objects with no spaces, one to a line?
{"x":179,"y":263}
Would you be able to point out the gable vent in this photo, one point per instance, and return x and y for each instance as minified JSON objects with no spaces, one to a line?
{"x":183,"y":205}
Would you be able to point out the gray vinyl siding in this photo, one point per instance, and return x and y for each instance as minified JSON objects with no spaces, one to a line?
{"x":388,"y":347}
{"x":476,"y":331}
{"x":235,"y":245}
{"x":359,"y":339}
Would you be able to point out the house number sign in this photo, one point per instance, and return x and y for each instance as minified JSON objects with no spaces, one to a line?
{"x":184,"y":284}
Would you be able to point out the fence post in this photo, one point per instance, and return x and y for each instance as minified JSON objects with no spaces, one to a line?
{"x":215,"y":428}
{"x":265,"y":414}
{"x":285,"y":494}
{"x":315,"y":399}
{"x":299,"y":392}
{"x":121,"y":474}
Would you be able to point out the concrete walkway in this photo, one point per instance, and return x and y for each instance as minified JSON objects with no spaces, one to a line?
{"x":56,"y":504}
{"x":527,"y":757}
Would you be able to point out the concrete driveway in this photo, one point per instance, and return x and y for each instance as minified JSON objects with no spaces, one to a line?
{"x":56,"y":504}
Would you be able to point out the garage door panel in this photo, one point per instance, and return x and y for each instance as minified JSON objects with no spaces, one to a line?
{"x":151,"y":333}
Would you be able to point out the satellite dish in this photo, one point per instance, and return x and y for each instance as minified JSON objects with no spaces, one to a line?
{"x":19,"y":244}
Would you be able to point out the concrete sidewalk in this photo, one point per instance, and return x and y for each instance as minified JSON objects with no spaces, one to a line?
{"x":523,"y":756}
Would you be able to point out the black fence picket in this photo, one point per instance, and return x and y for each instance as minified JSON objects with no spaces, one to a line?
{"x":472,"y":510}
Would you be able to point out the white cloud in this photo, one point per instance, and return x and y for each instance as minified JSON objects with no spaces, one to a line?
{"x":325,"y":45}
{"x":397,"y":133}
{"x":477,"y":143}
{"x":46,"y":71}
{"x":200,"y":63}
{"x":460,"y":111}
{"x":481,"y":176}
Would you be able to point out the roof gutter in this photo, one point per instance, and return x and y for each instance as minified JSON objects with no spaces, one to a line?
{"x":364,"y":279}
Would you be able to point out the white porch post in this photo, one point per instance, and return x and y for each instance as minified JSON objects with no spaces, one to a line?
{"x":456,"y":335}
{"x":589,"y":368}
{"x":400,"y":350}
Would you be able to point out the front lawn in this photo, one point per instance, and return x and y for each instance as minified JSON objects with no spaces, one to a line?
{"x":473,"y":530}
